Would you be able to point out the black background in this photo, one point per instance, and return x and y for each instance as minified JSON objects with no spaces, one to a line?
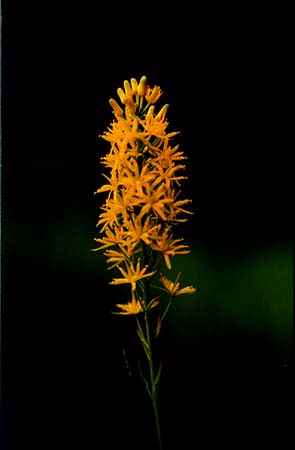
{"x":225,"y":76}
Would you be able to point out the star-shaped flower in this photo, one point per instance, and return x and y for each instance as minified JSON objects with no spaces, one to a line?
{"x":132,"y":275}
{"x":173,"y":286}
{"x":133,"y":307}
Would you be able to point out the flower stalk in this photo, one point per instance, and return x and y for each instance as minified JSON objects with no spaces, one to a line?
{"x":153,"y":380}
{"x":140,"y":214}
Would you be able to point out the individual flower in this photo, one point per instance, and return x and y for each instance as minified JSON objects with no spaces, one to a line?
{"x":132,"y":275}
{"x":155,"y":200}
{"x":173,"y":287}
{"x":166,"y":174}
{"x":133,"y":307}
{"x":153,"y":94}
{"x":115,"y":257}
{"x":113,"y":237}
{"x":112,"y":212}
{"x":135,"y":179}
{"x":138,"y":230}
{"x":169,"y":247}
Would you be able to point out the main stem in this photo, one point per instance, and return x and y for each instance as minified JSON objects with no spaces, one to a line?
{"x":154,"y":391}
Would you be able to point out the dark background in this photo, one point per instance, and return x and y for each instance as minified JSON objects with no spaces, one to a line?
{"x":228,"y":350}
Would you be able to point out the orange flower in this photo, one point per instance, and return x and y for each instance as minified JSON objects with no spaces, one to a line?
{"x":173,"y":286}
{"x":169,"y":247}
{"x":132,"y":275}
{"x":133,"y":307}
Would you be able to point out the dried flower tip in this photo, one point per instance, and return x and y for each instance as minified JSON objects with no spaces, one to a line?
{"x":153,"y":303}
{"x":158,"y":329}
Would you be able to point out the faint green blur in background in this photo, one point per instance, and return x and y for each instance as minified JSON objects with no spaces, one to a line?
{"x":247,"y":294}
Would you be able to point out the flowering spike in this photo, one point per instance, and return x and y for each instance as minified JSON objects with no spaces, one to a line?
{"x":141,"y":210}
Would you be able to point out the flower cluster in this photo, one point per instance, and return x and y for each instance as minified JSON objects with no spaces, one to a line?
{"x":142,"y":190}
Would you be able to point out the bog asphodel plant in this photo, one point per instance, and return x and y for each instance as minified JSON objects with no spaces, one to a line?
{"x":140,"y":214}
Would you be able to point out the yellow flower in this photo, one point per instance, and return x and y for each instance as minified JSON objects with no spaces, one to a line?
{"x":153,"y":94}
{"x":167,"y":154}
{"x":112,"y":211}
{"x":134,"y":179}
{"x":132,"y":275}
{"x":154,"y":200}
{"x":123,"y":130}
{"x":138,"y":231}
{"x":133,"y":307}
{"x":153,"y":126}
{"x":117,"y":157}
{"x":113,"y":237}
{"x":176,"y":208}
{"x":112,"y":187}
{"x":169,"y":247}
{"x":173,"y":287}
{"x":166,"y":174}
{"x":115,"y":257}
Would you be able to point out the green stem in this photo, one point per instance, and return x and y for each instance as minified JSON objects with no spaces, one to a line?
{"x":154,"y":391}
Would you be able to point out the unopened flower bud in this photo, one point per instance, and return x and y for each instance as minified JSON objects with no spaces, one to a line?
{"x":162,"y":113}
{"x":117,"y":109}
{"x":150,"y":112}
{"x":142,"y":87}
{"x":134,"y":86}
{"x":130,"y":106}
{"x":128,"y":91}
{"x":121,"y":94}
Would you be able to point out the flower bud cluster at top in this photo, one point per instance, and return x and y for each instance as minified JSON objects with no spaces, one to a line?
{"x":143,"y":179}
